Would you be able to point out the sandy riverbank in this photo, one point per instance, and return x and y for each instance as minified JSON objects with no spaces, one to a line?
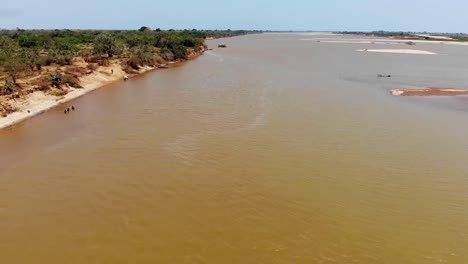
{"x":429,"y":92}
{"x":38,"y":102}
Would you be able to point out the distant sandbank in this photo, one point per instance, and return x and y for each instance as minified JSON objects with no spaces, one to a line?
{"x":399,"y":51}
{"x":431,"y":91}
{"x":381,"y":40}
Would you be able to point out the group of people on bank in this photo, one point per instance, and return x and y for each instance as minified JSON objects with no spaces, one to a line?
{"x":66,"y":111}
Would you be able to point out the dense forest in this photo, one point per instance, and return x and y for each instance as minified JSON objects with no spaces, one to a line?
{"x":45,"y":53}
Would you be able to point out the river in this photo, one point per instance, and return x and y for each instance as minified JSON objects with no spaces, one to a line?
{"x":277,"y":149}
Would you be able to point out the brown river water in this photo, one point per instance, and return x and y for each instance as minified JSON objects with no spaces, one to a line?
{"x":274,"y":150}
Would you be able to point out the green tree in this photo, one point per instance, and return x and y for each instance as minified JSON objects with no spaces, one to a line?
{"x":105,"y":43}
{"x":28,"y":41}
{"x":180,"y":52}
{"x":7,"y":88}
{"x":31,"y":58}
{"x":11,"y":58}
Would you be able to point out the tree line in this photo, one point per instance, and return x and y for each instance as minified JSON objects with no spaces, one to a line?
{"x":25,"y":52}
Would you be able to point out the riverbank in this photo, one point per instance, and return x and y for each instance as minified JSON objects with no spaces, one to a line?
{"x":37,"y":102}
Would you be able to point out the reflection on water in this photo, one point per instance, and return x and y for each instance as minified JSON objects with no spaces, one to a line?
{"x":275,"y":150}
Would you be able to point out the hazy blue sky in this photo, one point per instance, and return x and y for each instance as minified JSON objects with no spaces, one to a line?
{"x":407,"y":15}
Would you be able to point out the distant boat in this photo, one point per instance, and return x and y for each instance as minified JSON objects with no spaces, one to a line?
{"x":222,"y":45}
{"x":125,"y":77}
{"x":163,"y":66}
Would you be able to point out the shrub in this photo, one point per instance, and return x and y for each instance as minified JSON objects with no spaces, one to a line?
{"x":60,"y":57}
{"x":6,"y":109}
{"x":158,"y":59}
{"x":134,"y":62}
{"x":166,"y":54}
{"x":76,"y":72}
{"x":8,"y":88}
{"x":57,"y":92}
{"x":43,"y":83}
{"x":91,"y":59}
{"x":72,"y":81}
{"x":58,"y":79}
{"x":28,"y":41}
{"x":39,"y":63}
{"x":103,"y":62}
{"x":129,"y":70}
{"x":63,"y":60}
{"x":92,"y":67}
{"x":180,"y":52}
{"x":140,"y":57}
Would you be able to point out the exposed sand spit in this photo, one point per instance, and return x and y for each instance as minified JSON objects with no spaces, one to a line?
{"x":384,"y":40}
{"x":435,"y":36}
{"x":399,"y":51}
{"x":429,"y":92}
{"x":347,"y":41}
{"x":355,"y":42}
{"x":318,"y":34}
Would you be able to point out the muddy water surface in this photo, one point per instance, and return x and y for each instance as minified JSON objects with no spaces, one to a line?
{"x":274,"y":150}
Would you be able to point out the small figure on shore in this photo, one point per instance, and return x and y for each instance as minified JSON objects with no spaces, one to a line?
{"x":73,"y":108}
{"x":65,"y":111}
{"x":68,"y":110}
{"x":112,"y":71}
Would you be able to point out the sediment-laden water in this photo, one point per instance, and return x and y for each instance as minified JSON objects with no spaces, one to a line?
{"x":278,"y":149}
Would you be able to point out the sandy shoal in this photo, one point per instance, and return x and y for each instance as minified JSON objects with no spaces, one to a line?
{"x":432,"y":91}
{"x":386,"y":40}
{"x":399,"y":51}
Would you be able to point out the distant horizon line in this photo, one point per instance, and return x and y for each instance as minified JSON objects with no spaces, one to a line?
{"x":250,"y":30}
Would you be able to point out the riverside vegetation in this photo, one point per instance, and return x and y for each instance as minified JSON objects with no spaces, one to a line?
{"x":53,"y":61}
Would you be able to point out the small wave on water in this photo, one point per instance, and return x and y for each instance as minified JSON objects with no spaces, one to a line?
{"x":215,"y":55}
{"x":229,"y":122}
{"x":265,"y":103}
{"x":185,"y":147}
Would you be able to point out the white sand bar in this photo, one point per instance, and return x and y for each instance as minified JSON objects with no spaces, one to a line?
{"x":318,"y":34}
{"x":434,"y":37}
{"x":390,"y":40}
{"x":399,"y":51}
{"x":354,"y":42}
